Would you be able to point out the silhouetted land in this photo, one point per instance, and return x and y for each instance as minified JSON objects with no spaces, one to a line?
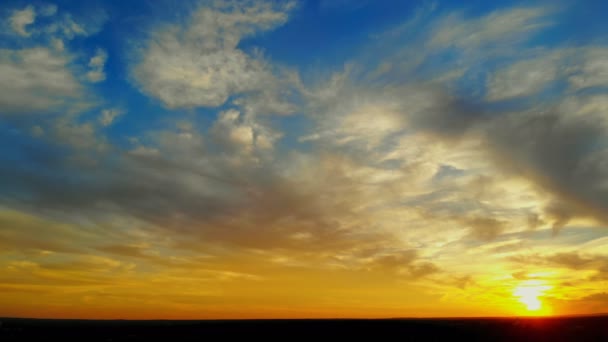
{"x":589,"y":328}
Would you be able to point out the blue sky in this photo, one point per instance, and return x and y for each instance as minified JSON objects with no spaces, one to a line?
{"x":367,"y":136}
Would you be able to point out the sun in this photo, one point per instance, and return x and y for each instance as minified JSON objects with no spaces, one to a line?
{"x":528,"y":293}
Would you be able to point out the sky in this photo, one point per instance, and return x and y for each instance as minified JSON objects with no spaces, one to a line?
{"x":289,"y":159}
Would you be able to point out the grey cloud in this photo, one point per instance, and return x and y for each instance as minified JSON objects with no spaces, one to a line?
{"x":406,"y":263}
{"x":185,"y":184}
{"x":592,"y":70}
{"x":21,"y":233}
{"x":570,"y":260}
{"x":35,"y":80}
{"x":561,"y":152}
{"x":423,"y":269}
{"x":485,"y":229}
{"x":521,"y":275}
{"x":396,"y":260}
{"x":559,"y":143}
{"x":601,"y":297}
{"x":443,"y":113}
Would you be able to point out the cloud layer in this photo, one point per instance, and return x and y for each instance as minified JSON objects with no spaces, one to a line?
{"x":452,"y":158}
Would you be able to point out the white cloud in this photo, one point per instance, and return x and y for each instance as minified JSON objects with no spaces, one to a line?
{"x":522,"y":79}
{"x":241,"y":133}
{"x":57,"y":25}
{"x":48,"y":10}
{"x":593,"y":69}
{"x":235,"y":133}
{"x":57,"y":44}
{"x":107,"y":116}
{"x":33,"y":80}
{"x":67,"y":27}
{"x":22,"y":18}
{"x":500,"y":27}
{"x":199,"y":64}
{"x":96,"y":65}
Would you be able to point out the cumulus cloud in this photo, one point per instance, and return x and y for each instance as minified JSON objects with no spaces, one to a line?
{"x":20,"y":19}
{"x":199,"y":63}
{"x":96,"y":65}
{"x":107,"y":116}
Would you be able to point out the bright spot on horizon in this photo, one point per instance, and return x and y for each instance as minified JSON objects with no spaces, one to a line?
{"x":528,"y":293}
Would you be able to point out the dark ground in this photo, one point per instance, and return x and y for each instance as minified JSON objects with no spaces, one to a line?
{"x":592,"y":328}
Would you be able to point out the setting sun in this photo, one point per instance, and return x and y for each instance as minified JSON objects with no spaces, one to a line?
{"x":528,"y":292}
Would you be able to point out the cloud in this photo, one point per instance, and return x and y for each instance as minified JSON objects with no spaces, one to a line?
{"x":570,"y":260}
{"x":601,"y":297}
{"x":48,"y":10}
{"x":22,"y":18}
{"x":506,"y":26}
{"x":554,"y":146}
{"x":234,"y":133}
{"x":35,"y":80}
{"x":96,"y":65}
{"x":398,"y":171}
{"x":21,"y":232}
{"x":405,"y":263}
{"x":107,"y":116}
{"x":485,"y":229}
{"x":67,"y":26}
{"x":521,"y":79}
{"x":592,"y":70}
{"x":199,"y":63}
{"x":559,"y":150}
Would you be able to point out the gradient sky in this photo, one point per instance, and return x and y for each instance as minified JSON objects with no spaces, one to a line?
{"x":346,"y":158}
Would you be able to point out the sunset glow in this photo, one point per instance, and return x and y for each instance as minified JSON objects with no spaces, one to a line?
{"x":303,"y":159}
{"x":528,"y":293}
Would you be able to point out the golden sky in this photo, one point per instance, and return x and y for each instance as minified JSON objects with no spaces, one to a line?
{"x":275,"y":160}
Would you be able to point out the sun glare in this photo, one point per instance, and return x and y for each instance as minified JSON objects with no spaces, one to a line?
{"x":528,"y":293}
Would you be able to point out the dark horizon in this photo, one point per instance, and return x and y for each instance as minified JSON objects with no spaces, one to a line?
{"x":310,"y":318}
{"x":579,"y":328}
